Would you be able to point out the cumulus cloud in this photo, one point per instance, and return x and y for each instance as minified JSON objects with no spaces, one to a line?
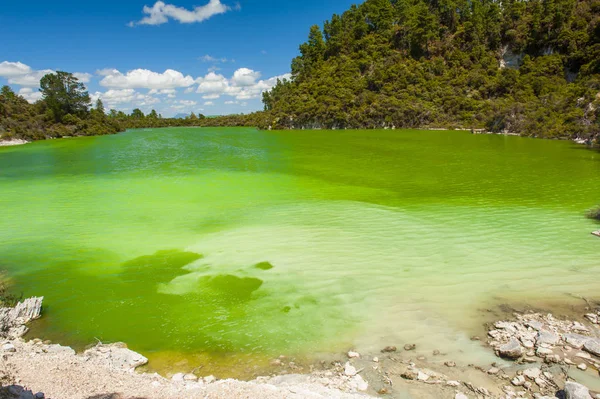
{"x":245,"y":77}
{"x":143,"y":78}
{"x":209,"y":103}
{"x":160,"y":13}
{"x":21,"y":74}
{"x":113,"y":98}
{"x":243,"y":85}
{"x":30,"y":95}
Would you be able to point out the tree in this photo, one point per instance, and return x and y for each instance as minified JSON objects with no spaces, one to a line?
{"x":63,"y":94}
{"x":100,"y":106}
{"x":137,"y":114}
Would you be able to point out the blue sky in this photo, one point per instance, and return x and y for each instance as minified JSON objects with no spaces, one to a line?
{"x":176,"y":56}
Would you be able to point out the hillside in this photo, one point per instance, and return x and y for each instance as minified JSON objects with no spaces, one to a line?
{"x":530,"y":67}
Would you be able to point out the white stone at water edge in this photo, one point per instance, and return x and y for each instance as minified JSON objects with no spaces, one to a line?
{"x":574,"y":390}
{"x":353,"y":355}
{"x":349,"y":369}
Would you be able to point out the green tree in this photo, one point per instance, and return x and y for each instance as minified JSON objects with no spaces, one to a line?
{"x":63,"y":94}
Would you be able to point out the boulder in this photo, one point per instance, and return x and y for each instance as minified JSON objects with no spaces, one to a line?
{"x":349,"y":370}
{"x":575,"y":340}
{"x":547,"y":337}
{"x":532,"y":373}
{"x":511,"y":350}
{"x":574,"y":390}
{"x":592,"y":346}
{"x":117,"y":356}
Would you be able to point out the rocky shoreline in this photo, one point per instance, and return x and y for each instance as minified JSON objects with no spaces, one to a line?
{"x":11,"y":142}
{"x":541,"y":356}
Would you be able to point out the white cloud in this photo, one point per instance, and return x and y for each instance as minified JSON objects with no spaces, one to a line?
{"x":83,"y":77}
{"x":210,"y":58}
{"x":143,"y":78}
{"x":11,"y":69}
{"x":20,"y":74}
{"x":113,"y":98}
{"x":160,"y":13}
{"x":243,"y":85}
{"x":244,"y":77}
{"x":230,"y":102}
{"x":209,"y":103}
{"x":30,"y":95}
{"x":187,"y":103}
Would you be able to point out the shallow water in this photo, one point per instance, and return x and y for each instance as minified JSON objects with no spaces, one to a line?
{"x":236,"y":245}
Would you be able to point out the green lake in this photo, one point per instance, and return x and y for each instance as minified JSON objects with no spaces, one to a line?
{"x":231,"y":246}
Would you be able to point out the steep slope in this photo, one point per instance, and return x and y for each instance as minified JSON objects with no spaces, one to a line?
{"x":525,"y":66}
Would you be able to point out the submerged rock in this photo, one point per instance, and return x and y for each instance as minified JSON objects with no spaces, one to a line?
{"x":410,"y":347}
{"x":389,"y":349}
{"x":511,"y":350}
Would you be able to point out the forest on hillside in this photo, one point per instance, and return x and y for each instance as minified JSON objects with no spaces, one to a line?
{"x":524,"y":66}
{"x":521,"y":66}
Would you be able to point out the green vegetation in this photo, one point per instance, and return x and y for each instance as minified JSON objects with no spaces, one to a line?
{"x":63,"y":111}
{"x":594,"y":213}
{"x":531,"y":67}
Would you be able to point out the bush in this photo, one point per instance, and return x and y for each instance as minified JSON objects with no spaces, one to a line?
{"x":594,"y":213}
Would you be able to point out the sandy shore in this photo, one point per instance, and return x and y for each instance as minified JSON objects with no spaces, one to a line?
{"x":540,"y":356}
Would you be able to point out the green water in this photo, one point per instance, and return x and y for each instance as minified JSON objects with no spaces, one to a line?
{"x":237,"y":243}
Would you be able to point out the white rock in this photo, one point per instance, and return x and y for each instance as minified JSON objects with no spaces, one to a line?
{"x":532,"y":373}
{"x":575,"y":340}
{"x":117,"y":356}
{"x":493,"y":371}
{"x":8,"y":348}
{"x":583,"y":355}
{"x":460,"y":395}
{"x":210,"y":379}
{"x":582,"y":366}
{"x":190,"y":377}
{"x":543,"y":352}
{"x":178,"y":377}
{"x":353,"y":355}
{"x":360,"y":383}
{"x":540,"y":382}
{"x":577,"y":326}
{"x":376,"y":359}
{"x":528,"y":385}
{"x":349,"y":369}
{"x":518,"y":381}
{"x":592,"y":345}
{"x":574,"y":390}
{"x":421,"y":376}
{"x":511,"y":350}
{"x":453,"y":383}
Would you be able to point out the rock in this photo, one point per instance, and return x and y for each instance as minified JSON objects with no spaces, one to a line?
{"x":582,"y":366}
{"x":389,"y":349}
{"x":349,"y":369}
{"x":382,"y":391}
{"x":422,"y":376}
{"x":592,"y":317}
{"x":511,"y":350}
{"x":543,"y":352}
{"x":592,"y":346}
{"x":209,"y":379}
{"x":536,"y":325}
{"x":547,"y":337}
{"x":529,"y":360}
{"x":527,"y":385}
{"x":493,"y":371}
{"x":178,"y":377}
{"x":574,"y":390}
{"x":540,"y":382}
{"x":518,"y":381}
{"x":353,"y":355}
{"x":421,"y":358}
{"x":360,"y":383}
{"x":410,"y":347}
{"x":376,"y":359}
{"x":532,"y":373}
{"x":117,"y":356}
{"x":190,"y":377}
{"x":575,"y":340}
{"x":40,"y":395}
{"x":528,"y":344}
{"x":583,"y":355}
{"x":8,"y":348}
{"x":436,"y":352}
{"x":409,"y":375}
{"x":453,"y":383}
{"x":460,"y":395}
{"x":552,"y":359}
{"x":577,"y":326}
{"x":450,"y":364}
{"x":67,"y":350}
{"x":276,"y":362}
